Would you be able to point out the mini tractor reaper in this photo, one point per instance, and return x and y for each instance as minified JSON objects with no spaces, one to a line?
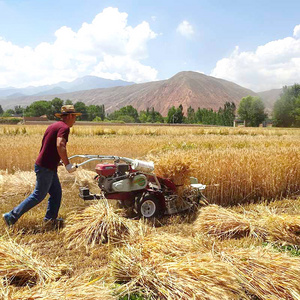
{"x":133,"y":183}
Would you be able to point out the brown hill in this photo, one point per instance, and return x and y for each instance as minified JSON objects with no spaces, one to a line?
{"x":186,"y":88}
{"x":269,"y":98}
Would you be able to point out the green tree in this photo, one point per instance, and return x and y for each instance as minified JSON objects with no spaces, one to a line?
{"x":297,"y":112}
{"x":1,"y":110}
{"x":150,"y":116}
{"x":82,"y":108}
{"x":143,"y":116}
{"x":128,"y":110}
{"x":155,"y":116}
{"x":19,"y":110}
{"x":38,"y":108}
{"x":179,"y":114}
{"x":191,"y":116}
{"x":286,"y":112}
{"x":228,"y":115}
{"x":126,"y":118}
{"x":209,"y":117}
{"x":8,"y":113}
{"x":251,"y":110}
{"x":94,"y":111}
{"x":199,"y":115}
{"x":258,"y":112}
{"x":56,"y":105}
{"x":102,"y":112}
{"x":68,"y":102}
{"x":171,"y":115}
{"x":175,"y":115}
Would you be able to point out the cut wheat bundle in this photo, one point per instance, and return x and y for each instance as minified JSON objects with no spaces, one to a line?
{"x":173,"y":244}
{"x":265,"y":273}
{"x":71,"y":289}
{"x":283,"y":229}
{"x":5,"y":289}
{"x":177,"y":169}
{"x":81,"y":177}
{"x":98,"y":223}
{"x":19,"y":266}
{"x":157,"y":276}
{"x":21,"y":182}
{"x":226,"y":223}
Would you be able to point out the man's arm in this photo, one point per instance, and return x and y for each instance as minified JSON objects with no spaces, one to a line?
{"x":61,"y":145}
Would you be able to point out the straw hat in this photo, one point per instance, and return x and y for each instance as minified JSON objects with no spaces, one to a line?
{"x":67,"y":110}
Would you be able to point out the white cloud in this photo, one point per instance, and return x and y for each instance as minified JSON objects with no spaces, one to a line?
{"x":90,"y":50}
{"x":185,"y":29}
{"x":297,"y":31}
{"x":134,"y":71}
{"x":272,"y":65}
{"x":201,"y":72}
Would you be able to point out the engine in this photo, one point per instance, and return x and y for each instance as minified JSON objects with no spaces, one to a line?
{"x":116,"y":178}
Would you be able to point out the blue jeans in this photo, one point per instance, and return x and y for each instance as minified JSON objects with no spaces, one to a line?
{"x":46,"y":182}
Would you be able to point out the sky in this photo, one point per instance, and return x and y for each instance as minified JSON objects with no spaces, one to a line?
{"x":255,"y":44}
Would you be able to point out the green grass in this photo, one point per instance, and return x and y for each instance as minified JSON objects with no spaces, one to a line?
{"x":132,"y":297}
{"x":290,"y":249}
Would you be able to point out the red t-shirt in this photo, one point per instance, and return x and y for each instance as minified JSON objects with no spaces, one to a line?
{"x":48,"y":156}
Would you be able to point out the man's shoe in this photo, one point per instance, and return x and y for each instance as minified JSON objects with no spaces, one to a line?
{"x":9,"y":221}
{"x":55,"y":223}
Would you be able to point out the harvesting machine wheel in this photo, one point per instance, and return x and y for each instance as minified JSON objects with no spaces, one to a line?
{"x":149,"y":207}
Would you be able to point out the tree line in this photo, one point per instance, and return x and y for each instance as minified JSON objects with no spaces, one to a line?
{"x":49,"y":108}
{"x":127,"y":114}
{"x":251,"y":110}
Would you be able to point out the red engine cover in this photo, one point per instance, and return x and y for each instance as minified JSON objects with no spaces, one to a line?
{"x":106,"y":169}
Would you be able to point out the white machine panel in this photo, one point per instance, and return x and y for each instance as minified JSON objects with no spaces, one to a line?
{"x":136,"y":183}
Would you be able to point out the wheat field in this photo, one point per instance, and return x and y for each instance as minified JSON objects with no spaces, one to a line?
{"x":239,"y":165}
{"x":243,"y":245}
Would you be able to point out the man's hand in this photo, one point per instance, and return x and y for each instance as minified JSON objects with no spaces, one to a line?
{"x":71,"y":168}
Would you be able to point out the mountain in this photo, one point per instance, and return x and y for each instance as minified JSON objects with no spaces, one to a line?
{"x":270,"y":97}
{"x":186,"y":88}
{"x":53,"y":91}
{"x":15,"y":95}
{"x":5,"y":92}
{"x":93,"y":82}
{"x":79,"y":84}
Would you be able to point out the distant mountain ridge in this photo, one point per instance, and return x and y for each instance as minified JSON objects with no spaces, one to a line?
{"x":79,"y":84}
{"x":186,"y":88}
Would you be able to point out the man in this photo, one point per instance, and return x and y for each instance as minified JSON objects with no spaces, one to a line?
{"x":53,"y":150}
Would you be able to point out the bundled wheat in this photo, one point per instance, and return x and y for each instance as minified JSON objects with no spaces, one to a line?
{"x":81,"y":177}
{"x":19,"y":266}
{"x":21,"y":182}
{"x":158,"y":276}
{"x":266,"y":274}
{"x":283,"y":229}
{"x":71,"y":289}
{"x":1,"y":183}
{"x":173,"y":244}
{"x":97,"y":224}
{"x":225,"y":223}
{"x":177,"y":169}
{"x":5,"y":290}
{"x":167,"y":244}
